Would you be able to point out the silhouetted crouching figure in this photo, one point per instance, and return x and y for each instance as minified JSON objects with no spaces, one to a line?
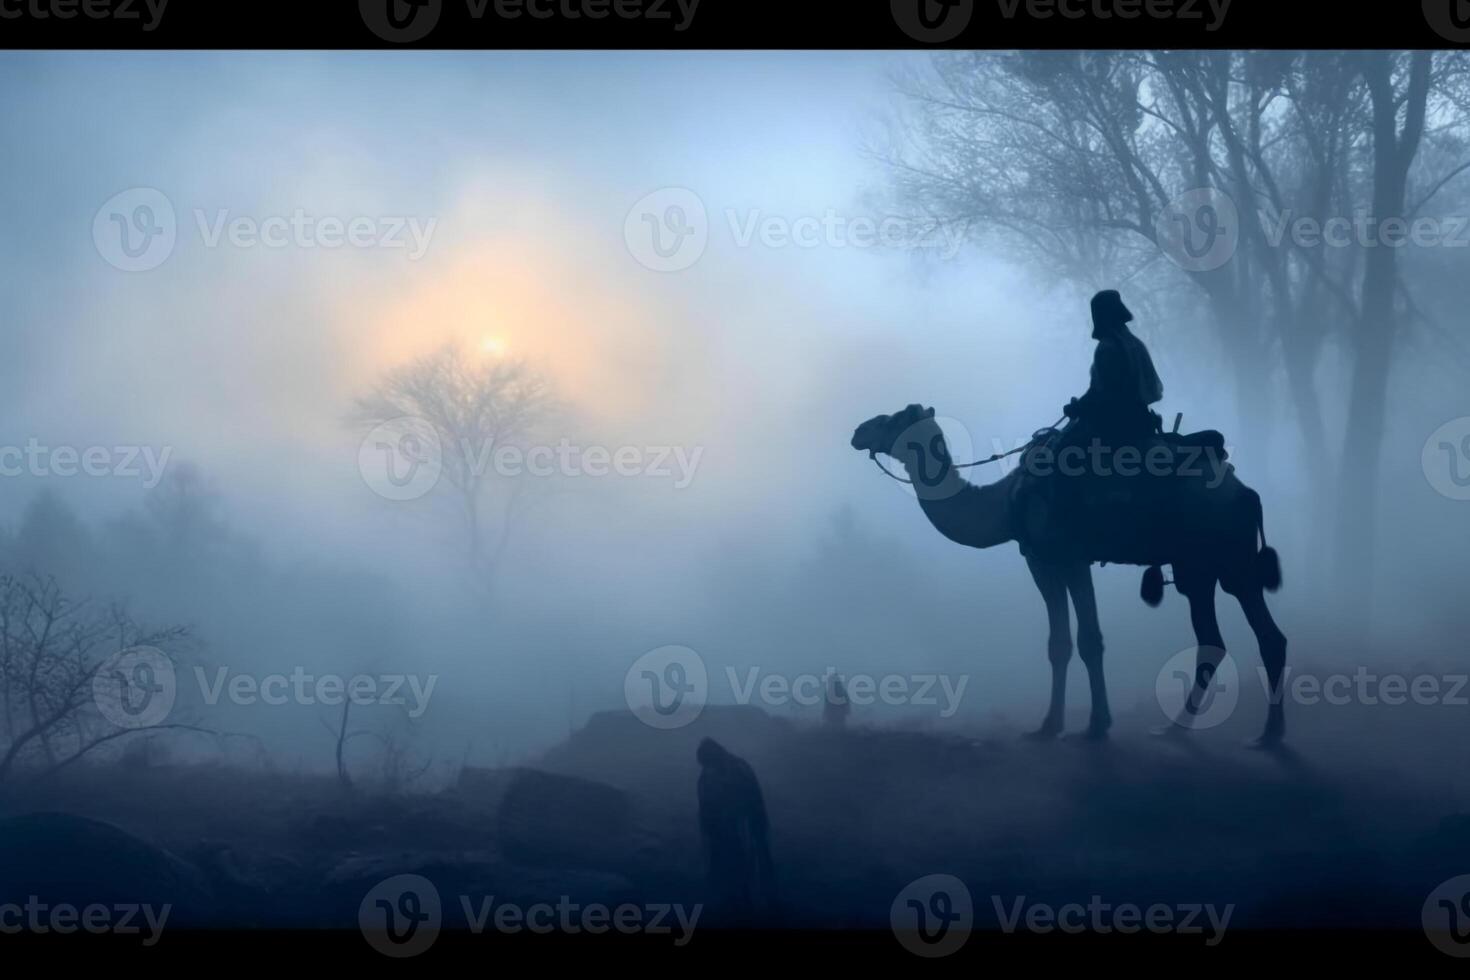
{"x":733,"y":825}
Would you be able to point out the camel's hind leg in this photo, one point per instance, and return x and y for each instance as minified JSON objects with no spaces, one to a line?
{"x":1052,"y":584}
{"x":1090,"y":645}
{"x":1273,"y":655}
{"x":1199,"y":589}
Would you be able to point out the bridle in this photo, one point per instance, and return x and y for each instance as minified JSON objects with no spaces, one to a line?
{"x":1036,"y":437}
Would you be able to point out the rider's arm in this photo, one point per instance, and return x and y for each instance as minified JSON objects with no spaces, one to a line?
{"x":1109,"y":375}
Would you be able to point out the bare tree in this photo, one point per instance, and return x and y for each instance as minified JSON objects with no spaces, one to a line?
{"x":474,"y":407}
{"x":399,"y":766}
{"x":51,"y":651}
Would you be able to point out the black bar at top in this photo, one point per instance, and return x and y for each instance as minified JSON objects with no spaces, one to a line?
{"x":710,"y":24}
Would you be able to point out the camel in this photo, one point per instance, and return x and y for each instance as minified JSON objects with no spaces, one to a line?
{"x":1209,"y":531}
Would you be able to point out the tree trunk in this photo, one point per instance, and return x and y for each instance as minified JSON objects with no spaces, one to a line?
{"x":1393,"y":153}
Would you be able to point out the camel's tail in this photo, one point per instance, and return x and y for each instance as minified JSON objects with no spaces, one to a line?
{"x":1151,"y":590}
{"x":1268,"y":562}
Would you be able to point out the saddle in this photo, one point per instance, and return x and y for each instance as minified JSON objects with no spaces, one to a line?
{"x":1208,"y":440}
{"x":1112,"y":518}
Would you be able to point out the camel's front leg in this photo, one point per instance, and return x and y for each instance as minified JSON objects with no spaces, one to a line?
{"x":1053,"y":586}
{"x":1090,"y":645}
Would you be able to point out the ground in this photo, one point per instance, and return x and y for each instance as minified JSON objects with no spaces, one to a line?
{"x":1350,"y":828}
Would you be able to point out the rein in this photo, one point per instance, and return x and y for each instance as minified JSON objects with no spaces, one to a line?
{"x":1035,"y":438}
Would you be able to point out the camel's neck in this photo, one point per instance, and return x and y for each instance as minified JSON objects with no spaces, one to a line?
{"x":977,"y":516}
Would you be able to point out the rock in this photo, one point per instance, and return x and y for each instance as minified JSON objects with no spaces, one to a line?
{"x":564,"y":821}
{"x":63,"y":859}
{"x":617,"y":748}
{"x":481,"y":790}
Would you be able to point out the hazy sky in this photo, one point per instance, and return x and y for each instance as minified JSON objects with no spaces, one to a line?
{"x":519,"y":171}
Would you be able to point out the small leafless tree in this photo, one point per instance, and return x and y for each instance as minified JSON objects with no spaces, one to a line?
{"x":399,"y":764}
{"x":51,"y":651}
{"x":475,"y":406}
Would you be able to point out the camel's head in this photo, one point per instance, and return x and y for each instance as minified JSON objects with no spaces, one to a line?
{"x":878,"y":434}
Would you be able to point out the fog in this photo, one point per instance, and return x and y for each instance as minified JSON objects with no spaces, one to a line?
{"x":752,"y":533}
